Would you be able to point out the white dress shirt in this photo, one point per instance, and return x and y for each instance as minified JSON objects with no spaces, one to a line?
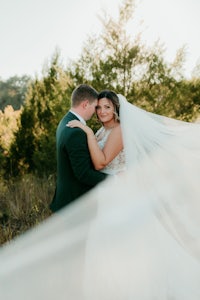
{"x":79,"y":117}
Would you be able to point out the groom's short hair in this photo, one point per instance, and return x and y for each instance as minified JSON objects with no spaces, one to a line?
{"x":83,"y":92}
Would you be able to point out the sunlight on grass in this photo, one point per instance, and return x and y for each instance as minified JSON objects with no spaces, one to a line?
{"x":23,"y":204}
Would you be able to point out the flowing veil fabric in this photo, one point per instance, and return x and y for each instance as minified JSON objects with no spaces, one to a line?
{"x":135,"y":236}
{"x":164,"y":149}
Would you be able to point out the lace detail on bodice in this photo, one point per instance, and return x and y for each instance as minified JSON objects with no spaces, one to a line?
{"x":118,"y":163}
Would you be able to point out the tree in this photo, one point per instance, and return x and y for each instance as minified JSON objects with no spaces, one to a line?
{"x":9,"y":124}
{"x":114,"y":60}
{"x":46,"y":101}
{"x":13,"y":91}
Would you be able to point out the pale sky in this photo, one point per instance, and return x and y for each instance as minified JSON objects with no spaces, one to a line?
{"x":30,"y":30}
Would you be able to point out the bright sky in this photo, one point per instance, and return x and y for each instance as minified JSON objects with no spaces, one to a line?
{"x":30,"y":30}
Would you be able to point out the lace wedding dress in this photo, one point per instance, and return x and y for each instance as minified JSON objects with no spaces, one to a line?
{"x":135,"y":236}
{"x":118,"y":163}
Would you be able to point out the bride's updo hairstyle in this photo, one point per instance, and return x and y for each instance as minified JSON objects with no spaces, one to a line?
{"x":112,"y":96}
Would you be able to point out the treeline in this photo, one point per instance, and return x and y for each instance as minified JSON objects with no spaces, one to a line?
{"x":32,"y":108}
{"x":112,"y":60}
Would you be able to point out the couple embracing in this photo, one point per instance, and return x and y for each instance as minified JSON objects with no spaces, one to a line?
{"x":85,"y":159}
{"x":143,"y":242}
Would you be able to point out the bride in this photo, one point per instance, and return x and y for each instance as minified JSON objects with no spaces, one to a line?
{"x":135,"y":236}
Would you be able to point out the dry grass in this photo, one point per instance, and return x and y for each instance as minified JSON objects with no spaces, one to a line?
{"x":23,"y":204}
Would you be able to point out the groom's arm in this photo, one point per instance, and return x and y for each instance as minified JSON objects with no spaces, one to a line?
{"x":80,"y":159}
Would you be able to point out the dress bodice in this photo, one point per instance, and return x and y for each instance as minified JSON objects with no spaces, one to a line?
{"x":118,"y":163}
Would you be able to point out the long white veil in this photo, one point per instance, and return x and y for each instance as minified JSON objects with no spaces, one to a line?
{"x":165,"y":154}
{"x":135,"y":236}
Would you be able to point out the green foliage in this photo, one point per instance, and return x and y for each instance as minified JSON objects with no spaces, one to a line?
{"x":2,"y":160}
{"x":13,"y":91}
{"x":125,"y":65}
{"x":20,"y":159}
{"x":47,"y":100}
{"x":163,"y":89}
{"x":112,"y":60}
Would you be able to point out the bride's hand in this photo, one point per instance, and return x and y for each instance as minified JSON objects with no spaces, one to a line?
{"x":76,"y":123}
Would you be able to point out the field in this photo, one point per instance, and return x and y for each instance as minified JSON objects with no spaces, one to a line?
{"x":23,"y":204}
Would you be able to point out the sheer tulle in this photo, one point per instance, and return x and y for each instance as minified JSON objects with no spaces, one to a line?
{"x":135,"y":236}
{"x":162,"y":148}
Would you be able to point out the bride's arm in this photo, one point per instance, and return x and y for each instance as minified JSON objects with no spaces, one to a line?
{"x":113,"y":146}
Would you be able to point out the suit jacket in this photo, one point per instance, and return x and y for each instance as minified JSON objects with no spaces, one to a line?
{"x":75,"y":172}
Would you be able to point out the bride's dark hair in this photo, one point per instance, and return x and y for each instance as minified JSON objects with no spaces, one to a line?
{"x":112,"y":96}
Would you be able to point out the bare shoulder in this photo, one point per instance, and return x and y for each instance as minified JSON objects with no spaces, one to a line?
{"x":116,"y":132}
{"x":117,"y":129}
{"x":115,"y":138}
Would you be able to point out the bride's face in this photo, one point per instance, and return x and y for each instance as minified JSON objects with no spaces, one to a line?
{"x":105,"y":110}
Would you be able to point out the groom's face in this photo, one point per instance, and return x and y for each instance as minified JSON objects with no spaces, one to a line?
{"x":91,"y":109}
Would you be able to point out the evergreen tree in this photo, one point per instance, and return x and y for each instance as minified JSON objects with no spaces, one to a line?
{"x":47,"y":100}
{"x":13,"y":91}
{"x":114,"y":60}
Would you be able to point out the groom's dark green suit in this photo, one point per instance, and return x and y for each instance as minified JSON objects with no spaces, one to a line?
{"x":75,"y":172}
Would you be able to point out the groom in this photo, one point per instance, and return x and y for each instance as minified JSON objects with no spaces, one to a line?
{"x":75,"y":172}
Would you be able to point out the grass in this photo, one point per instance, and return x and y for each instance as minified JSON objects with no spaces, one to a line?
{"x":23,"y":204}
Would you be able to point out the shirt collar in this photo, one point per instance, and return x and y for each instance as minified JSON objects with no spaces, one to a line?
{"x":78,"y":116}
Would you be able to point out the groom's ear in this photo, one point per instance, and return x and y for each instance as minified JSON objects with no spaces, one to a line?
{"x":85,"y":104}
